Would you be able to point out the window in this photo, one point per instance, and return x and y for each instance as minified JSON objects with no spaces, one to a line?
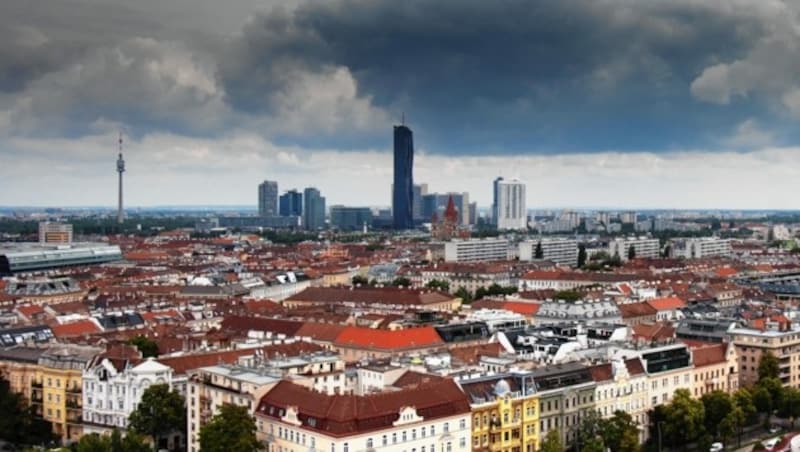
{"x":446,"y":427}
{"x":422,"y":432}
{"x":449,"y":446}
{"x":369,"y":443}
{"x":413,"y":433}
{"x":433,"y":430}
{"x":394,"y":438}
{"x":463,"y":442}
{"x":404,"y":436}
{"x":346,"y":448}
{"x":384,"y":440}
{"x":462,"y":424}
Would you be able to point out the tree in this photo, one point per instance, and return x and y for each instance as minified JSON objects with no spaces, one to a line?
{"x":790,"y":405}
{"x":743,"y":398}
{"x":631,"y":252}
{"x":552,"y":442}
{"x":539,"y":252}
{"x":589,"y":432}
{"x":438,"y":285}
{"x":148,"y":347}
{"x":768,"y":366}
{"x":401,"y":281}
{"x":464,"y":294}
{"x":159,"y":413}
{"x":232,"y":429}
{"x":775,"y":389}
{"x":114,"y":443}
{"x":359,"y":280}
{"x":567,"y":295}
{"x":683,"y":419}
{"x":581,"y":255}
{"x":717,"y":405}
{"x":620,"y":432}
{"x":18,"y":424}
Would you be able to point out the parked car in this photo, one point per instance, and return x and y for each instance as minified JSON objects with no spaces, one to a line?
{"x":716,"y":447}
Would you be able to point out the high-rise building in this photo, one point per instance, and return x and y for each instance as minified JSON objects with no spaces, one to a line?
{"x":314,"y":213}
{"x":50,"y":232}
{"x":291,"y":204}
{"x":495,"y":193}
{"x":403,"y":188}
{"x":420,"y":190}
{"x":512,"y":212}
{"x":268,"y":199}
{"x":350,"y":218}
{"x":120,"y":170}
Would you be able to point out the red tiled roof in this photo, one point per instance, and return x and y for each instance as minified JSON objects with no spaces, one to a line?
{"x":346,"y":415}
{"x":412,"y":379}
{"x":30,"y":310}
{"x":182,"y":364}
{"x":654,"y":331}
{"x":369,"y":295}
{"x":707,"y":354}
{"x":601,"y":372}
{"x":631,"y":310}
{"x":326,"y":332}
{"x":667,"y":303}
{"x":472,"y":354}
{"x":79,"y":328}
{"x":411,"y":338}
{"x":241,"y":325}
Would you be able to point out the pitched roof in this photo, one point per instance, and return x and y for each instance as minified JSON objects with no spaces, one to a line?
{"x":654,"y":331}
{"x":412,"y":379}
{"x":631,"y":310}
{"x":182,"y":364}
{"x":243,"y":324}
{"x":346,"y":415}
{"x":326,"y":332}
{"x":667,"y":303}
{"x":73,"y":329}
{"x":371,"y":295}
{"x":601,"y":372}
{"x":411,"y":338}
{"x":708,"y":354}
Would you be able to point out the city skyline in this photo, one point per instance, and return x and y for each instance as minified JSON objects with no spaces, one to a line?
{"x":684,"y":112}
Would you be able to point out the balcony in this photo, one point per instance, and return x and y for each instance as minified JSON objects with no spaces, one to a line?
{"x":36,"y":384}
{"x":74,"y":390}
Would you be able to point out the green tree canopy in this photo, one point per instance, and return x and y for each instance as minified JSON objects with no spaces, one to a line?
{"x":581,"y":255}
{"x":438,"y":284}
{"x":18,"y":424}
{"x":684,"y":419}
{"x":159,"y":413}
{"x":768,"y":366}
{"x":232,"y":429}
{"x":360,"y":280}
{"x":717,"y":405}
{"x":132,"y":442}
{"x":148,"y":347}
{"x":401,"y":281}
{"x":539,"y":252}
{"x":631,"y":252}
{"x":552,"y":442}
{"x":620,"y":432}
{"x":464,"y":294}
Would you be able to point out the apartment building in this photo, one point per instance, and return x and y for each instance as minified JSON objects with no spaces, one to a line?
{"x":716,"y":367}
{"x":429,"y":417}
{"x":701,"y":247}
{"x":476,"y":250}
{"x":505,"y":412}
{"x":751,"y":344}
{"x":642,"y":246}
{"x":621,"y":385}
{"x":566,"y":392}
{"x":56,"y":393}
{"x":20,"y":365}
{"x":560,"y":251}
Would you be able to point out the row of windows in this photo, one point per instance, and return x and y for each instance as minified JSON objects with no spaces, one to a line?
{"x":547,"y":407}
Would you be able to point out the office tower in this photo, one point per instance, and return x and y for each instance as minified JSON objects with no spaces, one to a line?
{"x":50,"y":232}
{"x":495,"y":215}
{"x":420,"y":190}
{"x":403,"y":188}
{"x":120,"y":170}
{"x":314,"y":213}
{"x":473,"y":213}
{"x":291,"y":204}
{"x":268,"y":199}
{"x":511,"y":209}
{"x":350,"y":218}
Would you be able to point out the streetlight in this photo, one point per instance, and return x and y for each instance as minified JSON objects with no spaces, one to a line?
{"x":658,"y":426}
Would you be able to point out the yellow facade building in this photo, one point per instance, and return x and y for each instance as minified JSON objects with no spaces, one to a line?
{"x":505,"y":413}
{"x":56,"y":392}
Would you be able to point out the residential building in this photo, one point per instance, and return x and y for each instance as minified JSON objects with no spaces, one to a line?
{"x":113,"y":385}
{"x":476,"y":250}
{"x":559,"y":311}
{"x":16,"y":258}
{"x":356,"y":343}
{"x":643,"y":247}
{"x":55,"y":233}
{"x":512,"y":211}
{"x":19,"y":365}
{"x":403,"y":187}
{"x":782,"y":342}
{"x":564,"y":280}
{"x":290,"y":204}
{"x":384,"y":299}
{"x":351,"y":218}
{"x":505,"y":412}
{"x":716,"y":367}
{"x":621,"y":385}
{"x":701,"y":247}
{"x":628,"y":217}
{"x":213,"y":386}
{"x":566,"y":393}
{"x":314,"y":212}
{"x":560,"y":251}
{"x":429,"y":417}
{"x":56,"y":394}
{"x":668,"y":368}
{"x":268,"y":199}
{"x":637,"y":313}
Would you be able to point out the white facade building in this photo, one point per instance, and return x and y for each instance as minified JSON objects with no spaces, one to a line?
{"x":512,"y":212}
{"x":113,"y":388}
{"x":698,"y":248}
{"x":644,"y":247}
{"x":476,"y":250}
{"x":557,"y":250}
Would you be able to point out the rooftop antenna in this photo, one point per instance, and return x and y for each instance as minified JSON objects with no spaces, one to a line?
{"x":120,"y":170}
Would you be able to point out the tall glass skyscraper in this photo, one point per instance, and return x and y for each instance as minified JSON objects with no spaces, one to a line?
{"x":268,"y":199}
{"x":291,"y":204}
{"x":314,"y":212}
{"x":403,"y":188}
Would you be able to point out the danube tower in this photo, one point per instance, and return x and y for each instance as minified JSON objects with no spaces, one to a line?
{"x":120,"y":170}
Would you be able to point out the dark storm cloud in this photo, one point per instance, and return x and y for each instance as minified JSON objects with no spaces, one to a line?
{"x":509,"y":75}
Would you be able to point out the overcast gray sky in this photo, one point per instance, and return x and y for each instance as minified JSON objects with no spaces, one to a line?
{"x":685,"y":104}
